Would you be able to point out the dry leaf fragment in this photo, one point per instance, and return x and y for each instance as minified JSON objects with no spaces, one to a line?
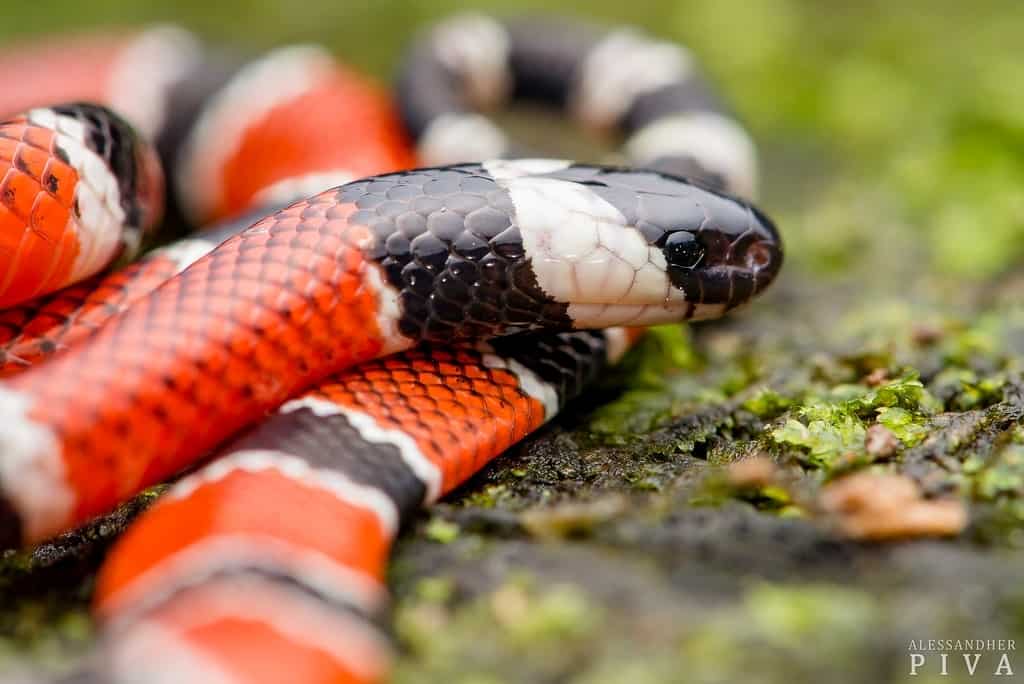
{"x":876,"y":507}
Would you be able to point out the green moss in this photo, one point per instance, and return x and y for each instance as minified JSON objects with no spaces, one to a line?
{"x":665,"y":353}
{"x":790,"y":616}
{"x":435,"y":589}
{"x":824,"y":441}
{"x":963,"y":390}
{"x":488,"y":497}
{"x":903,"y":424}
{"x":532,"y":630}
{"x":717,"y":490}
{"x":636,"y":411}
{"x":832,"y":426}
{"x":442,"y":531}
{"x":769,"y":631}
{"x":983,"y":338}
{"x":1003,"y":477}
{"x":766,"y":403}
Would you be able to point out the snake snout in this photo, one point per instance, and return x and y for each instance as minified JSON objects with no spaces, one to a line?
{"x":733,"y":256}
{"x":749,"y":265}
{"x":760,"y":255}
{"x":763,"y":259}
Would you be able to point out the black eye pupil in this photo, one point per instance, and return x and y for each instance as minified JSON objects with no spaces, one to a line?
{"x":683,"y":251}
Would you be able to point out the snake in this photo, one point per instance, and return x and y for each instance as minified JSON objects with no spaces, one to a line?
{"x":343,"y":332}
{"x":328,"y":126}
{"x":649,"y":93}
{"x":79,"y":189}
{"x":346,"y":462}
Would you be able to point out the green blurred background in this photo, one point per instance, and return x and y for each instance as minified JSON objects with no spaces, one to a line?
{"x":892,"y":143}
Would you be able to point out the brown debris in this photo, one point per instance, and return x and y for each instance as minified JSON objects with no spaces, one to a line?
{"x":926,"y":334}
{"x":880,"y":441}
{"x":752,"y":473}
{"x":877,"y":377}
{"x":875,"y":507}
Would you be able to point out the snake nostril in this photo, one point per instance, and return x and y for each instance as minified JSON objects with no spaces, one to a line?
{"x":758,"y":256}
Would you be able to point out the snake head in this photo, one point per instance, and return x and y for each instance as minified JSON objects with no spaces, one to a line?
{"x":638,"y":247}
{"x":726,"y":253}
{"x":483,"y":249}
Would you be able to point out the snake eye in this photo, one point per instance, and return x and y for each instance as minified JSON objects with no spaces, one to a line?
{"x":682,"y":250}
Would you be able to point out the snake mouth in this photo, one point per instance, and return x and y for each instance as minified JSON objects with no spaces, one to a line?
{"x":639,"y":315}
{"x":747,"y":272}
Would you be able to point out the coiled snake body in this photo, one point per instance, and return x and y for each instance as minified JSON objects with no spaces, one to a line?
{"x":357,"y":315}
{"x":377,"y":266}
